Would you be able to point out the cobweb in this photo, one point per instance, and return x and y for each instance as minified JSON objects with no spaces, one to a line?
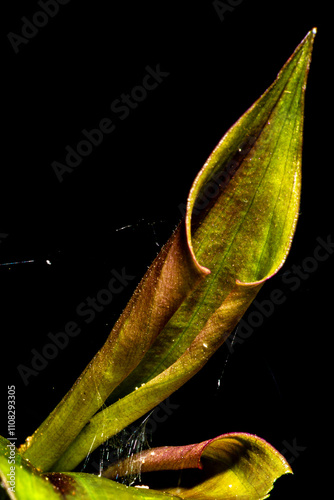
{"x":127,"y":443}
{"x":231,"y":340}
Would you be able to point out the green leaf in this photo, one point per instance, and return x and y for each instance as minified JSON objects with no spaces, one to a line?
{"x":24,"y":482}
{"x":235,"y":465}
{"x":20,"y":479}
{"x":241,"y":216}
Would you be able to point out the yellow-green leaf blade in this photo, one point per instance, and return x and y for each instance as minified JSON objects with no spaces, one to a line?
{"x":20,"y":479}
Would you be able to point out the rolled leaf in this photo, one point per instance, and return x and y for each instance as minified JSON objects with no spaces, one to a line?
{"x":235,"y":465}
{"x":241,"y":212}
{"x":241,"y":216}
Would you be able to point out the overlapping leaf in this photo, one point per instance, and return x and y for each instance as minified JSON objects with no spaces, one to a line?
{"x":241,"y":215}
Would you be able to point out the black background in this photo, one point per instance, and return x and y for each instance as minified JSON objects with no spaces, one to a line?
{"x":64,"y":80}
